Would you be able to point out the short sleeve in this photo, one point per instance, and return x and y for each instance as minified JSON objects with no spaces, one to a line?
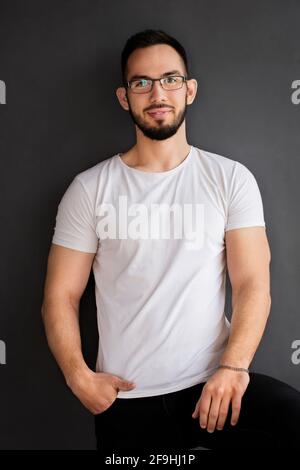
{"x":245,"y":207}
{"x":75,"y":227}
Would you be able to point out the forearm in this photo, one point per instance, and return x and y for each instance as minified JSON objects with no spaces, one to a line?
{"x":61,"y":320}
{"x":251,"y":308}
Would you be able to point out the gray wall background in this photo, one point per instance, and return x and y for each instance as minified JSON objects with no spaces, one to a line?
{"x":60,"y":62}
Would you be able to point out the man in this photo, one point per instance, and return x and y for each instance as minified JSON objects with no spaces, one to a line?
{"x":160,"y":224}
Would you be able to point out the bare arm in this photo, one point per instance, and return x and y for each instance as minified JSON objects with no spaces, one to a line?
{"x":67,"y":276}
{"x":248,"y":260}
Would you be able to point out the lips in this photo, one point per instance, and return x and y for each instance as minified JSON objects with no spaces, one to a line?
{"x":159,"y":112}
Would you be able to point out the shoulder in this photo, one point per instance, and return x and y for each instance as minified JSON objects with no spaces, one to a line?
{"x":92,"y":176}
{"x":222,"y":166}
{"x":215,"y":160}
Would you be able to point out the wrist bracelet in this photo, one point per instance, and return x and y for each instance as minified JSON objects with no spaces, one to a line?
{"x":238,"y":369}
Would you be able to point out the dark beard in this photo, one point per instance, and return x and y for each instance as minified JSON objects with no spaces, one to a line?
{"x":160,"y":132}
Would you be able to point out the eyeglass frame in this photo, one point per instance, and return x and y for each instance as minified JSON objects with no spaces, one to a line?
{"x":127,"y":84}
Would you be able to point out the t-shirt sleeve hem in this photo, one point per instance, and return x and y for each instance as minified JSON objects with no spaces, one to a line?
{"x":73,"y":246}
{"x":244,"y":225}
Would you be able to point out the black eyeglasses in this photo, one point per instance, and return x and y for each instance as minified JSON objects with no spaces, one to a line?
{"x":145,"y":85}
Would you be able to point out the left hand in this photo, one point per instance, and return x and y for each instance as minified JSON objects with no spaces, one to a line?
{"x":224,"y":387}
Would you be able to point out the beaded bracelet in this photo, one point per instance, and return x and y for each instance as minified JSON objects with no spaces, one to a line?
{"x":238,"y":369}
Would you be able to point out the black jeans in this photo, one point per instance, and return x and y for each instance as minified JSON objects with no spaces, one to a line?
{"x":269,"y":417}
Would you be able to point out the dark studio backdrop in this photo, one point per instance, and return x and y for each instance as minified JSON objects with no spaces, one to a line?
{"x":59,"y":115}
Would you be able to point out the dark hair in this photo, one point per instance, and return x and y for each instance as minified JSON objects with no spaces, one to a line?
{"x":147,"y":38}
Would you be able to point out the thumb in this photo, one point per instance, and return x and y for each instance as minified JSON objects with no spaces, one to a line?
{"x":125,"y":384}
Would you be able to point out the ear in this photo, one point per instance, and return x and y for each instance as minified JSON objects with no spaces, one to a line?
{"x":121,"y":94}
{"x":192,"y":86}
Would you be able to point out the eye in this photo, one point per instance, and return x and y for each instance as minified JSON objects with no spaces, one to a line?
{"x":140,"y":83}
{"x":171,"y":79}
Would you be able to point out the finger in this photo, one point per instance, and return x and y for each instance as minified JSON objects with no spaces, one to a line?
{"x":214,"y":412}
{"x":223,"y":411}
{"x":236,"y":408}
{"x":203,"y":408}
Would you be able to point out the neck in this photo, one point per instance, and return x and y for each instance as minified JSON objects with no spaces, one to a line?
{"x":159,"y":155}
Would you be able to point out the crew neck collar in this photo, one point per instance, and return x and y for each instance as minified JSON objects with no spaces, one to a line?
{"x":156,"y":173}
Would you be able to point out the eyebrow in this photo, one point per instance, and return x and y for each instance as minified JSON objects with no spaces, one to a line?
{"x":172,"y":72}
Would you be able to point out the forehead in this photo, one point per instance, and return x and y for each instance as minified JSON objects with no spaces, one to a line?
{"x":154,"y":61}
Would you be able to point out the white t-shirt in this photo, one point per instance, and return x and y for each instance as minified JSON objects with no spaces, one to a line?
{"x":160,"y":264}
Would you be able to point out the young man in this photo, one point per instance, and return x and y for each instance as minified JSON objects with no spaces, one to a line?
{"x":159,"y":225}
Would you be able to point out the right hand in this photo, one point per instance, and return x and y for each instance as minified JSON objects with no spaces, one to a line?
{"x":98,"y":390}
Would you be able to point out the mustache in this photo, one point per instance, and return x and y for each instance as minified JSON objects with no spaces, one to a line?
{"x":158,"y":106}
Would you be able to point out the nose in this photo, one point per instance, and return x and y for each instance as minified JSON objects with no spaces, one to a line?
{"x":157,"y":92}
